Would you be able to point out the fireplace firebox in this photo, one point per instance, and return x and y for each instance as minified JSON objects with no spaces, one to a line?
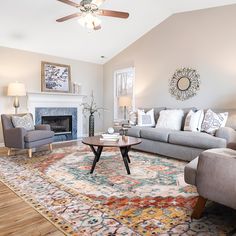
{"x":61,"y":125}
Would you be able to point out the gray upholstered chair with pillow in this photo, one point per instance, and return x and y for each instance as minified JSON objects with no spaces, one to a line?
{"x":19,"y":132}
{"x":214,"y":175}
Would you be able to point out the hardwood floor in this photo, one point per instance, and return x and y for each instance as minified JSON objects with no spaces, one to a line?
{"x":17,"y":218}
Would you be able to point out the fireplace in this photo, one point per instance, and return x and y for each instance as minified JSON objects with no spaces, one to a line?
{"x":58,"y":104}
{"x":61,"y":125}
{"x":63,"y":121}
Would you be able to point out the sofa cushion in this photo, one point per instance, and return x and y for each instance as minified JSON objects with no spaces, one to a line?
{"x":134,"y":131}
{"x":156,"y":134}
{"x":186,"y":111}
{"x":190,"y":172}
{"x":156,"y":111}
{"x":25,"y":122}
{"x":170,"y":119}
{"x":36,"y":135}
{"x":196,"y":139}
{"x":146,"y":118}
{"x":213,"y":121}
{"x":193,"y":121}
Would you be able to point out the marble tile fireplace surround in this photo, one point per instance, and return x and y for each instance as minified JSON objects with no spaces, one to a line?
{"x":49,"y":105}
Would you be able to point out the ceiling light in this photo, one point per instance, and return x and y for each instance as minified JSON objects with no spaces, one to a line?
{"x":89,"y":20}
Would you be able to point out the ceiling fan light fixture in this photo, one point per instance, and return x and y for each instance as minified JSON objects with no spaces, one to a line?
{"x":89,"y":20}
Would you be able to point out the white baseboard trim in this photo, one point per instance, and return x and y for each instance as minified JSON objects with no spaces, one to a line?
{"x":2,"y":145}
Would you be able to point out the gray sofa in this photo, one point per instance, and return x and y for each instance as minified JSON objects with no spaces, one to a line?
{"x":183,"y":145}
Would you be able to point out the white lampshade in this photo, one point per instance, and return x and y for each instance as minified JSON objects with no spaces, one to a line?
{"x":16,"y":89}
{"x":125,"y":101}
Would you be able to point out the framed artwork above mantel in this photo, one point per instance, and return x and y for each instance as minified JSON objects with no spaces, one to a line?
{"x":55,"y":77}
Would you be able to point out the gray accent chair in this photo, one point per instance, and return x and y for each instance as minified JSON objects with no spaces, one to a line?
{"x":214,"y":175}
{"x":20,"y":138}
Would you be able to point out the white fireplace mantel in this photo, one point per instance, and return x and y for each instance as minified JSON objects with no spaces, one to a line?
{"x":52,"y":100}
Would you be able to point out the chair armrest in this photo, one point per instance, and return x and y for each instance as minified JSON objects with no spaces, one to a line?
{"x":226,"y":133}
{"x":216,"y":176}
{"x":42,"y":127}
{"x":14,"y":137}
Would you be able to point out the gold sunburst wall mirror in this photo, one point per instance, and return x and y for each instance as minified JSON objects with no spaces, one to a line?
{"x":184,"y":84}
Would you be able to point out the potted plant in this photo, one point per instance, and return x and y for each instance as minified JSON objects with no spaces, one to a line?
{"x":90,"y":107}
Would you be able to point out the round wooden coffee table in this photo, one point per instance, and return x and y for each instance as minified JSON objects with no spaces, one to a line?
{"x":124,"y":144}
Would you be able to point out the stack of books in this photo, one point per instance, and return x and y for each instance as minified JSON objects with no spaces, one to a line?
{"x":110,"y":137}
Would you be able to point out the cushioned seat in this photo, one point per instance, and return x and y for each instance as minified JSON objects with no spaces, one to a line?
{"x":213,"y":173}
{"x":21,"y":137}
{"x":134,"y":131}
{"x":36,"y":135}
{"x":157,"y":134}
{"x":196,"y":139}
{"x":190,"y":172}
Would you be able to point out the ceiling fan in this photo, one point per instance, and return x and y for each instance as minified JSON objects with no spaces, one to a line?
{"x":88,"y":12}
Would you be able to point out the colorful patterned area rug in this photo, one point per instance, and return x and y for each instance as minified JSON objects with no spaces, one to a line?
{"x":153,"y":200}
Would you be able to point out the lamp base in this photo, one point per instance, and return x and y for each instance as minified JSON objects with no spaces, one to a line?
{"x":125,"y":111}
{"x":16,"y":104}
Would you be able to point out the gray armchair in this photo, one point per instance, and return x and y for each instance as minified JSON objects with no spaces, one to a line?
{"x":20,"y":138}
{"x":214,"y":175}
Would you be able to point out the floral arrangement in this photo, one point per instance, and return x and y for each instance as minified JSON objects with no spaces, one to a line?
{"x":91,"y":106}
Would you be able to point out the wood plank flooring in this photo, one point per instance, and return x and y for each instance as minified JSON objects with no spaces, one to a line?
{"x":17,"y":218}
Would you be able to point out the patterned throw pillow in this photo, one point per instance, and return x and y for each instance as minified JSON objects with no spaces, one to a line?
{"x":146,"y":118}
{"x":212,"y":121}
{"x":133,"y":117}
{"x":193,"y":121}
{"x":170,"y":119}
{"x":25,"y":122}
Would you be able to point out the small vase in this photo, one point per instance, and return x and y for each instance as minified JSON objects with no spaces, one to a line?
{"x":91,"y":125}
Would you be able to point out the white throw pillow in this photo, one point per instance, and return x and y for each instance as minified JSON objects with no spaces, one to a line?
{"x":213,"y":121}
{"x":171,"y":119}
{"x":193,"y":121}
{"x":146,"y":118}
{"x":25,"y":122}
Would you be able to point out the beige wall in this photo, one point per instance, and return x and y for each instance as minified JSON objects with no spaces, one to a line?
{"x":204,"y":40}
{"x":25,"y":67}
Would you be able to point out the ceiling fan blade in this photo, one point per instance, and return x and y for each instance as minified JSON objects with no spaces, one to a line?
{"x":69,"y":17}
{"x":98,"y":2}
{"x":73,"y":4}
{"x":118,"y":14}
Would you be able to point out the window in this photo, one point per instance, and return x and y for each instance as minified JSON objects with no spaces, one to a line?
{"x":123,"y":91}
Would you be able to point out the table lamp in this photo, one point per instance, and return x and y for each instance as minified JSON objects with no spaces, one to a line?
{"x":16,"y":90}
{"x":125,"y":101}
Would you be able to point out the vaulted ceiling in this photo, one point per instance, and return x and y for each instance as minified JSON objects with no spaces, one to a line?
{"x":31,"y":25}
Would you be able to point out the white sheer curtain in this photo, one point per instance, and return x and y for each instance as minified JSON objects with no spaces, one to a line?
{"x":123,"y":86}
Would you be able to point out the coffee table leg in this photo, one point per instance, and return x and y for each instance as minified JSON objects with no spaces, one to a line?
{"x":97,"y":154}
{"x":127,"y":154}
{"x":124,"y":152}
